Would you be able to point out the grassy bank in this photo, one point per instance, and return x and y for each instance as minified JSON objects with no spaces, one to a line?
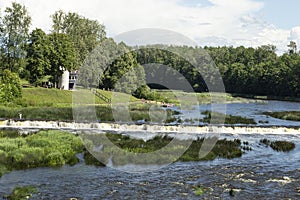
{"x":259,"y":97}
{"x":54,"y":104}
{"x":44,"y":149}
{"x":103,"y":113}
{"x":286,"y":115}
{"x":43,"y":97}
{"x":201,"y":98}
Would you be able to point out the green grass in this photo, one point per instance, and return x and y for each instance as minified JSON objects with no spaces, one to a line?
{"x":36,"y":97}
{"x":103,"y":112}
{"x":46,"y":148}
{"x":53,"y":104}
{"x":198,"y":190}
{"x":40,"y":97}
{"x":285,"y":115}
{"x":57,"y":148}
{"x":200,"y":98}
{"x":222,"y":149}
{"x":22,"y":193}
{"x":50,"y":97}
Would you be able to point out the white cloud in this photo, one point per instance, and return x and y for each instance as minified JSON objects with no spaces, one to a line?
{"x":295,"y":35}
{"x":223,"y":22}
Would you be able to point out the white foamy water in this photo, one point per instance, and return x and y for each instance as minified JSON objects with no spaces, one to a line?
{"x":147,"y":128}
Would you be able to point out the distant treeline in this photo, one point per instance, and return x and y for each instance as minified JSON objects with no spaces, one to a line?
{"x":76,"y":42}
{"x":257,"y":71}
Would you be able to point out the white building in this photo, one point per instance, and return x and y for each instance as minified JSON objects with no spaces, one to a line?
{"x":68,"y":80}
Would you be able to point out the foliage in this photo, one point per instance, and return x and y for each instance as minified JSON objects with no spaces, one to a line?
{"x":284,"y":146}
{"x":226,"y":119}
{"x":16,"y":22}
{"x":144,"y":92}
{"x":22,"y":193}
{"x":199,"y":190}
{"x":64,"y":56}
{"x":10,"y":86}
{"x":223,"y":148}
{"x":85,"y":33}
{"x":39,"y":51}
{"x":78,"y":41}
{"x":46,"y":148}
{"x":244,"y":70}
{"x":285,"y":115}
{"x":97,"y":62}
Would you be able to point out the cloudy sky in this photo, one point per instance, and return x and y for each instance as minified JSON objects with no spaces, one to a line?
{"x":208,"y":22}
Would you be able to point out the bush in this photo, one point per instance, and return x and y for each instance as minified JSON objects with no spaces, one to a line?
{"x":285,"y":115}
{"x":10,"y":86}
{"x":284,"y":146}
{"x":22,"y":193}
{"x":27,"y":157}
{"x":55,"y":159}
{"x":9,"y":133}
{"x":46,"y":148}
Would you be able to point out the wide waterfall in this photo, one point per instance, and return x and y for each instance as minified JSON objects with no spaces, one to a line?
{"x":147,"y":128}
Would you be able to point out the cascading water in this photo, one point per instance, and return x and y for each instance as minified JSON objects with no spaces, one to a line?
{"x":149,"y":128}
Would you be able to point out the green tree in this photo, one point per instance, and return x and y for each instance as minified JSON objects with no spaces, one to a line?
{"x":292,"y":47}
{"x":63,"y":55}
{"x":16,"y":22}
{"x":10,"y":86}
{"x":39,"y":50}
{"x":124,"y":72}
{"x":84,"y":33}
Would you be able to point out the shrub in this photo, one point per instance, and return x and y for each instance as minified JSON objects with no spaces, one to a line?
{"x":55,"y":159}
{"x":284,"y":146}
{"x":22,"y":193}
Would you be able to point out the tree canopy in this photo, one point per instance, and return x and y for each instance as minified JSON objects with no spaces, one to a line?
{"x":14,"y":35}
{"x":78,"y":43}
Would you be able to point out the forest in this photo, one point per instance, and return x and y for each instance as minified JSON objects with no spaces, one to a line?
{"x":73,"y":43}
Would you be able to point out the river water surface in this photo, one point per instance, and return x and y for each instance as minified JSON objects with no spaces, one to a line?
{"x":261,"y":173}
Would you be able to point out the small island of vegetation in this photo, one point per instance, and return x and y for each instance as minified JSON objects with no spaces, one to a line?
{"x":285,"y":115}
{"x":284,"y":146}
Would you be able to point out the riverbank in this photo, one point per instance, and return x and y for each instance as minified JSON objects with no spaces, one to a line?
{"x":264,"y":98}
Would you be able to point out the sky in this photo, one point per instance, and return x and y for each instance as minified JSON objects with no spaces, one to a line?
{"x":207,"y":22}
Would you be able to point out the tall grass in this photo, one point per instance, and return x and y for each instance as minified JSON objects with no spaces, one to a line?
{"x":46,"y":148}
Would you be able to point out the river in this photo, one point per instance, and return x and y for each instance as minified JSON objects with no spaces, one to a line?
{"x":261,"y":173}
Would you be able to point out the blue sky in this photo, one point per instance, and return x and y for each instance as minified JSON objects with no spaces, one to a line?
{"x":207,"y":22}
{"x":282,"y":13}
